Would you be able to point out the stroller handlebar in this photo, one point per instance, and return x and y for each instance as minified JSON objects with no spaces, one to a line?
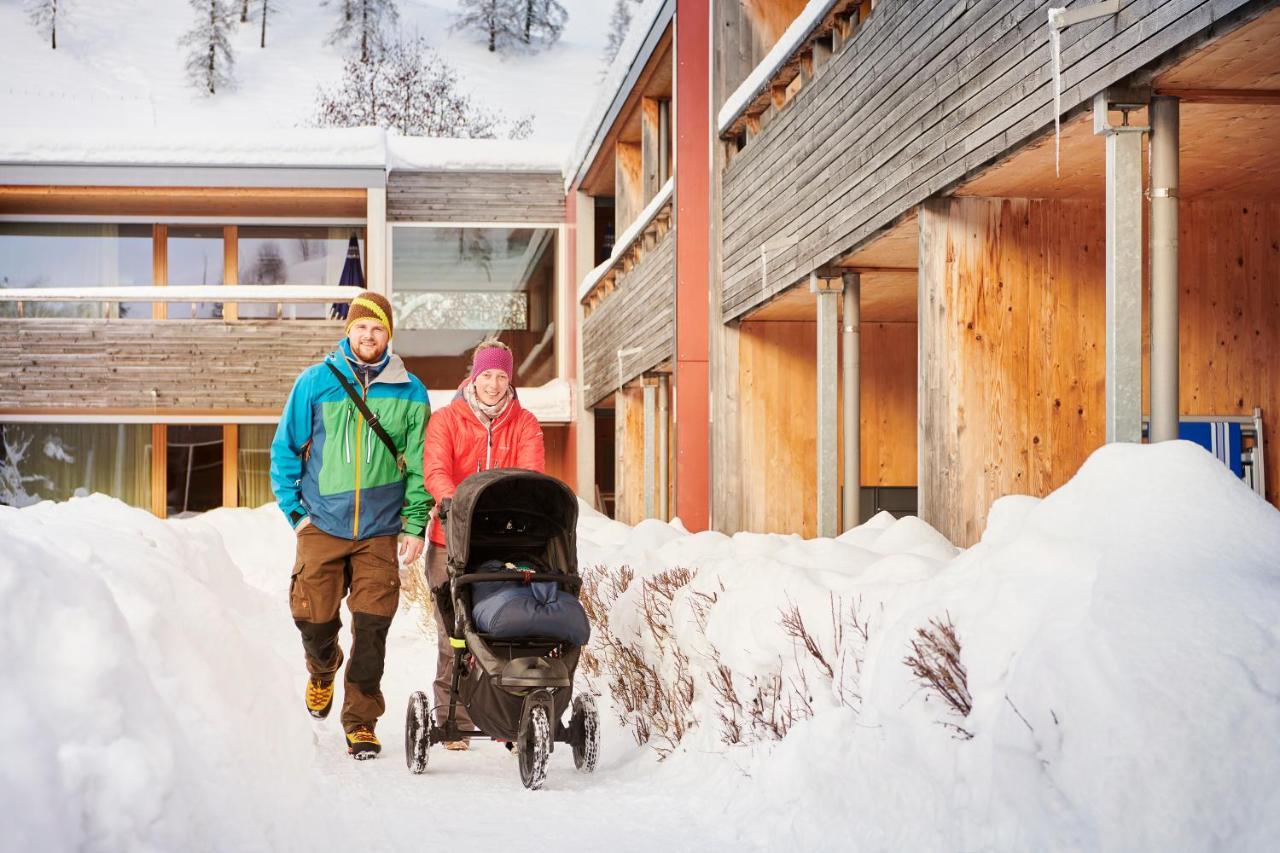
{"x":572,"y":582}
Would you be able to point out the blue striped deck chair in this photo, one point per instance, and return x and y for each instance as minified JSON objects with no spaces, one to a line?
{"x":1221,"y":438}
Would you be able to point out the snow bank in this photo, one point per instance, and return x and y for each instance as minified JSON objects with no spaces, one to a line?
{"x":143,"y":706}
{"x":1120,"y":639}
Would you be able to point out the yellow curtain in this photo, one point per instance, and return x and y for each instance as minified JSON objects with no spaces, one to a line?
{"x":255,"y":464}
{"x":71,"y":459}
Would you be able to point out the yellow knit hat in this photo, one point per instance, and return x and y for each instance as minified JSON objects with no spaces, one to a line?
{"x":370,"y":306}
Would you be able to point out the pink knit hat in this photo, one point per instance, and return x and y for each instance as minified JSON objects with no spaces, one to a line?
{"x":493,"y":358}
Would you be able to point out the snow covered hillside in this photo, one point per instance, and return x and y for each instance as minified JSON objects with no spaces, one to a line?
{"x":118,"y":65}
{"x":1113,"y":686}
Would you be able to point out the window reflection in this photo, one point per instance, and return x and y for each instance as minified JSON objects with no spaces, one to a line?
{"x":297,"y":255}
{"x":74,"y":255}
{"x":454,"y":287}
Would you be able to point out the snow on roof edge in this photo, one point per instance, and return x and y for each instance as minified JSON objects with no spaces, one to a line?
{"x":423,"y":153}
{"x":797,"y":32}
{"x":653,"y":14}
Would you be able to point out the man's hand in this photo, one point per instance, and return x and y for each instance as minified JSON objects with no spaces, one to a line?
{"x":410,"y":549}
{"x":301,"y":524}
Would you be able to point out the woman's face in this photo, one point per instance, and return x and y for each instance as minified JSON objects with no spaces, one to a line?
{"x":491,"y":386}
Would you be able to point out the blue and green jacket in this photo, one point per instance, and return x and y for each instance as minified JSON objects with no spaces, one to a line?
{"x":326,"y":463}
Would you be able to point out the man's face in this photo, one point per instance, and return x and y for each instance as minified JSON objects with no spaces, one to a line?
{"x":491,"y":386}
{"x":368,"y":339}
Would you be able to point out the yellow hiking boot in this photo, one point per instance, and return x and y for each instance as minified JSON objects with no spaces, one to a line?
{"x":319,"y":697}
{"x":362,"y":743}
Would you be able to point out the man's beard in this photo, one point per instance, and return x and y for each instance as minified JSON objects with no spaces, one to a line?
{"x":372,"y":357}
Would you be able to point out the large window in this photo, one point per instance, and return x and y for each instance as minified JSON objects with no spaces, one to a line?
{"x":454,"y":287}
{"x":74,"y":255}
{"x":60,"y":461}
{"x":305,"y":255}
{"x":197,"y":256}
{"x":253,"y":469}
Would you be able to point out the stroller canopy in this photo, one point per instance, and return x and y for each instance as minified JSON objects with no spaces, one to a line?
{"x":508,"y":511}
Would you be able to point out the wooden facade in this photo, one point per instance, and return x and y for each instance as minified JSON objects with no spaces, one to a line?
{"x":637,"y":319}
{"x":148,"y":366}
{"x":475,"y":197}
{"x":1012,"y":337}
{"x":779,"y":431}
{"x":881,"y":129}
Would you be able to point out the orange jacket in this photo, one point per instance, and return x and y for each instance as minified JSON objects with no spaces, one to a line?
{"x":459,"y":445}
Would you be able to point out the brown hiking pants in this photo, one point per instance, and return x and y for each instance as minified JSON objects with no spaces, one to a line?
{"x":438,"y":574}
{"x":328,"y":568}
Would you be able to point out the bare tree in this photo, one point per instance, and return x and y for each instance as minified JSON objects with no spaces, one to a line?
{"x":363,"y":23}
{"x":209,"y":63}
{"x":266,"y":6}
{"x":501,"y":21}
{"x":406,"y":86}
{"x":619,"y":25}
{"x":44,"y":16}
{"x":544,"y":21}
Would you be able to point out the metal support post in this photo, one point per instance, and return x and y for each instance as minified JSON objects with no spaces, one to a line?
{"x":828,"y":296}
{"x":1164,"y":269}
{"x":1124,"y":271}
{"x":851,"y":365}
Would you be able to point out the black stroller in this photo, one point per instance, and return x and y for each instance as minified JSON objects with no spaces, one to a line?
{"x":514,"y":689}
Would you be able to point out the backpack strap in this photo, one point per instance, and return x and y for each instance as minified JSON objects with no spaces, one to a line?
{"x":369,"y":416}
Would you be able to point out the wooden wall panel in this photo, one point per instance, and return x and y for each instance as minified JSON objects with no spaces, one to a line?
{"x":475,"y":197}
{"x":1012,"y":366}
{"x":56,"y":364}
{"x":778,"y":405}
{"x":889,"y":418}
{"x":638,"y":315}
{"x":1012,"y":371}
{"x":880,"y":129}
{"x":1229,"y":305}
{"x":628,"y":185}
{"x":629,"y":455}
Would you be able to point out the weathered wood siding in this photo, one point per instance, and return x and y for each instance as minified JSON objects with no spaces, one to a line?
{"x":475,"y":197}
{"x":156,"y":364}
{"x":639,"y":313}
{"x":882,"y":128}
{"x":629,"y":455}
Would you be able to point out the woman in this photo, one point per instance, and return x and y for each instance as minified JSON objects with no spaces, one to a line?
{"x":484,"y":427}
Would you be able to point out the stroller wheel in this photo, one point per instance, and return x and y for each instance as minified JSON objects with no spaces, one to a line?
{"x":585,"y":725}
{"x":417,"y":731}
{"x":534,"y":747}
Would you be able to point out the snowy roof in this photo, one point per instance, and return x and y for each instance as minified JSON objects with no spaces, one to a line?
{"x":804,"y":24}
{"x":301,"y":147}
{"x":478,"y":155}
{"x":647,"y":25}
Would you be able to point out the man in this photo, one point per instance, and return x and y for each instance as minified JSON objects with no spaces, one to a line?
{"x":349,"y":496}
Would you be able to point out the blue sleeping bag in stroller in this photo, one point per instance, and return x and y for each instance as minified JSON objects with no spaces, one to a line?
{"x":505,"y":609}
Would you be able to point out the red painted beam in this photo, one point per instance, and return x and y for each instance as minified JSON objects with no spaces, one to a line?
{"x":692,"y":167}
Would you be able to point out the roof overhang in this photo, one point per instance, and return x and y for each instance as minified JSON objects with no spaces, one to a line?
{"x":137,"y":175}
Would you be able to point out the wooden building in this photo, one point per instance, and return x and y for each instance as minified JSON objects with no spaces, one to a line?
{"x":157,"y":299}
{"x":913,"y":293}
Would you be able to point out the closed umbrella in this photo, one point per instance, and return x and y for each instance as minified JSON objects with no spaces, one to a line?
{"x":352,"y":276}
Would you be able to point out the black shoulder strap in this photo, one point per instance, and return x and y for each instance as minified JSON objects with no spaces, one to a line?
{"x":369,"y":416}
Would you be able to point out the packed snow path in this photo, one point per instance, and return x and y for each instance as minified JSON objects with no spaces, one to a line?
{"x":1119,"y":640}
{"x":474,"y":800}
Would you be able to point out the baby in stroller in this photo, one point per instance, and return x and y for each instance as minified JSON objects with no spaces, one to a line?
{"x":512,"y":597}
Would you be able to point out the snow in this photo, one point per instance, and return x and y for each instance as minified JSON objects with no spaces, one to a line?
{"x":343,"y":147}
{"x":507,"y":155}
{"x":643,"y":21}
{"x":119,"y":65}
{"x":809,"y":18}
{"x":1119,"y":636}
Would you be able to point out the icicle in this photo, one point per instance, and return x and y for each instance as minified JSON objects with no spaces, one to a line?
{"x":1055,"y":48}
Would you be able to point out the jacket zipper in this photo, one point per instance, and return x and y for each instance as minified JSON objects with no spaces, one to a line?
{"x":355,"y":520}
